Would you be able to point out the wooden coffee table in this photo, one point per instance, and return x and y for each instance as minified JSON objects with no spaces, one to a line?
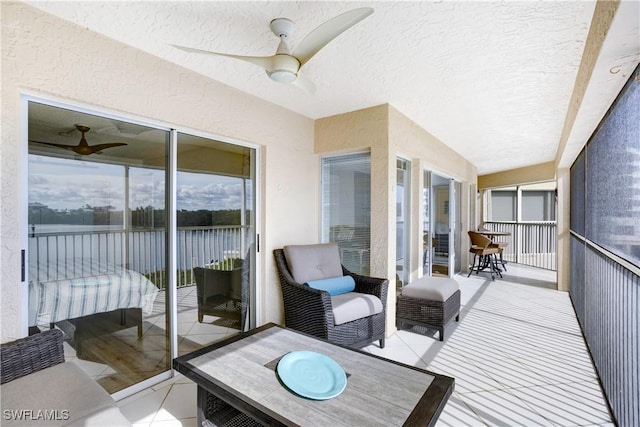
{"x":238,"y":382}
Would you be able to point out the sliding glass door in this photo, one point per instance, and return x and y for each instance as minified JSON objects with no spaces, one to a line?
{"x":100,"y":214}
{"x":442,"y":225}
{"x":215,"y":239}
{"x":403,"y":212}
{"x":97,"y":252}
{"x":428,"y":239}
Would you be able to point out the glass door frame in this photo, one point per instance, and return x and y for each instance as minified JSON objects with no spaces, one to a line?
{"x":452,"y":227}
{"x":454,"y":244}
{"x":405,"y":217}
{"x":455,"y":227}
{"x":171,"y":194}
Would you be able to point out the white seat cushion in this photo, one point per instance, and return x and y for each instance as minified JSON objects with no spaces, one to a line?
{"x":354,"y":305}
{"x":61,"y":387}
{"x":431,"y":288}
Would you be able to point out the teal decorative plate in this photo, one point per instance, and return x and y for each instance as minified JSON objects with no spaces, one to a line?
{"x":311,"y":375}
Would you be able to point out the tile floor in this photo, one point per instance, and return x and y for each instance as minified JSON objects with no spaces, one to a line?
{"x":517,"y":355}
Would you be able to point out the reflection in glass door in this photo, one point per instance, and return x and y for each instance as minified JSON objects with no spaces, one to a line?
{"x":440,"y":214}
{"x":403,"y":203}
{"x":428,"y":240}
{"x":442,"y":225}
{"x":97,"y":250}
{"x":457,"y":227}
{"x":101,"y":263}
{"x":215,"y":240}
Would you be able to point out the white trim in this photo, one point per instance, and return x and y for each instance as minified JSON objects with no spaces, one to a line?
{"x":91,"y":109}
{"x":345,"y":152}
{"x":172,"y":230}
{"x":23,"y":140}
{"x":258,"y":239}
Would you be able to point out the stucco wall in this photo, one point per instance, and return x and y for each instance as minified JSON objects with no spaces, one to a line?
{"x":410,"y":140}
{"x":387,"y":133}
{"x":367,"y":130}
{"x":49,"y":57}
{"x":427,"y":152}
{"x":357,"y":131}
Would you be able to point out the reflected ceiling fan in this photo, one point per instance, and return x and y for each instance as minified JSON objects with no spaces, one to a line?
{"x":285,"y":65}
{"x":83,"y":148}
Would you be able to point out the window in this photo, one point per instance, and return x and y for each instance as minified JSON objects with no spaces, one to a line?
{"x":538,"y":206}
{"x":503,"y":205}
{"x":346,"y":208}
{"x":533,"y":203}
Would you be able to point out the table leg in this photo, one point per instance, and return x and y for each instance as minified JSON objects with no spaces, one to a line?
{"x":201,"y":415}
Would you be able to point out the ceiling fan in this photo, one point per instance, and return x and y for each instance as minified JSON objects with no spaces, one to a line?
{"x":83,"y":148}
{"x":285,"y":65}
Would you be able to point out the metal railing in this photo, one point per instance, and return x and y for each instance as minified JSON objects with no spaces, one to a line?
{"x":605,"y":291}
{"x":530,"y":243}
{"x":69,"y":254}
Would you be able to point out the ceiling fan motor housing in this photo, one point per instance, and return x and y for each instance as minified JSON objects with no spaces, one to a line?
{"x":284,"y":68}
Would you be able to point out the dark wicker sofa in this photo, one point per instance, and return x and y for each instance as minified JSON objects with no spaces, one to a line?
{"x":310,"y":310}
{"x":40,"y":389}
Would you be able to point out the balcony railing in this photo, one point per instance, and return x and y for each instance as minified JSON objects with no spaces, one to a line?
{"x":68,"y":254}
{"x":530,"y":243}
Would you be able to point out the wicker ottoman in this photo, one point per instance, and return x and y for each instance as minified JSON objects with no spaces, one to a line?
{"x":430,"y":302}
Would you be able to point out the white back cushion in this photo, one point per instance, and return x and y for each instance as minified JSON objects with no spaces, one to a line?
{"x":313,"y":262}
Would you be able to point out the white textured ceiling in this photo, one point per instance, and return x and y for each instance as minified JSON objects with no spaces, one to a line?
{"x":492,"y":80}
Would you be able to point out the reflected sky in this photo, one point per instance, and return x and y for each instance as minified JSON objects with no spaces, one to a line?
{"x":73,"y":184}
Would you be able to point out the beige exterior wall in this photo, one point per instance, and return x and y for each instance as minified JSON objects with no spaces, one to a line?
{"x":367,"y":130}
{"x":527,"y":175}
{"x":428,"y":153}
{"x":46,"y":56}
{"x":563,"y":262}
{"x":388,"y":134}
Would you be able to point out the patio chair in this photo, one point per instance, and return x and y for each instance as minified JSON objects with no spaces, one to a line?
{"x":484,"y":253}
{"x":219,"y":292}
{"x":501,"y":247}
{"x":353,"y":317}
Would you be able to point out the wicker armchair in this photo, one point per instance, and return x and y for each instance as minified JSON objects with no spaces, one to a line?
{"x":310,"y":310}
{"x":36,"y":378}
{"x":28,"y":355}
{"x":219,"y":292}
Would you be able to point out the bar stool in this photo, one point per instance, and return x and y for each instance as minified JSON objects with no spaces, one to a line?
{"x":481,"y":249}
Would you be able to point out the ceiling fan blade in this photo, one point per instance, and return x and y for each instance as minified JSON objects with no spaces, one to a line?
{"x":261,"y":61}
{"x":323,"y":34}
{"x":53,"y":144}
{"x":100,"y":147}
{"x":82,"y":149}
{"x":305,"y":84}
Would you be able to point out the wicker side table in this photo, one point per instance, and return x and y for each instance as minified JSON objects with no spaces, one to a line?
{"x":431,"y":302}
